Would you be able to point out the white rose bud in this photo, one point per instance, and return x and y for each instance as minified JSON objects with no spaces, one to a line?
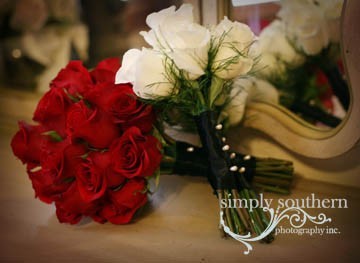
{"x":176,"y":34}
{"x":126,"y":73}
{"x":273,"y":40}
{"x":146,"y":70}
{"x":232,"y":58}
{"x":155,"y":21}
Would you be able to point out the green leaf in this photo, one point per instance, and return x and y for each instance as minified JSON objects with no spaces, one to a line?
{"x":157,"y":134}
{"x":156,"y":176}
{"x":71,"y":97}
{"x":215,"y":89}
{"x":157,"y":179}
{"x":53,"y":136}
{"x":69,"y":179}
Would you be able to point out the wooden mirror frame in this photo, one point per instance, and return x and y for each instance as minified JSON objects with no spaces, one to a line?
{"x":287,"y":128}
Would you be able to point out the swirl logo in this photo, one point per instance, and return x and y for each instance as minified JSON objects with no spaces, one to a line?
{"x":296,"y":216}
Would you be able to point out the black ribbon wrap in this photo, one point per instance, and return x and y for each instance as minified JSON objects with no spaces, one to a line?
{"x":190,"y":163}
{"x":248,"y":164}
{"x":195,"y":162}
{"x":219,"y":175}
{"x":338,"y":84}
{"x":315,"y":113}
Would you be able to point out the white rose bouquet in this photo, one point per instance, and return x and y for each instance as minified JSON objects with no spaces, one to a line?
{"x":313,"y":28}
{"x":190,"y":67}
{"x":294,"y":47}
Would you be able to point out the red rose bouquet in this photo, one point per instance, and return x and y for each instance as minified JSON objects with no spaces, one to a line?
{"x":92,"y":150}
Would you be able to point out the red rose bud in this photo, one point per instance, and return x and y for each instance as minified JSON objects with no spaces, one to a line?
{"x":71,"y":207}
{"x":45,"y":184}
{"x":91,"y":181}
{"x":66,"y":216}
{"x":51,"y":110}
{"x":135,"y":154}
{"x":95,"y":175}
{"x":102,"y":162}
{"x":105,"y":71}
{"x":74,"y":78}
{"x":327,"y":93}
{"x":321,"y":79}
{"x":26,"y":143}
{"x":62,"y":159}
{"x":120,"y":102}
{"x":59,"y":161}
{"x":92,"y":125}
{"x":340,"y":65}
{"x":125,"y":202}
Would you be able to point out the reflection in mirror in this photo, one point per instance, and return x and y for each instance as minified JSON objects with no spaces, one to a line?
{"x":299,"y":55}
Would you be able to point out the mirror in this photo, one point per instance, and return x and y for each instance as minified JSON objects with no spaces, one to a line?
{"x":299,"y":46}
{"x":288,"y":123}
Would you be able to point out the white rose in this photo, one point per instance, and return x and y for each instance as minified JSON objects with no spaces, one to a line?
{"x":126,"y":73}
{"x":305,"y":25}
{"x":146,"y":70}
{"x":270,"y":65}
{"x":332,"y":12}
{"x":154,"y":21}
{"x":235,"y":109}
{"x":232,"y":58}
{"x":151,"y":80}
{"x":331,"y":8}
{"x":244,"y":91}
{"x":273,"y":40}
{"x":176,"y":34}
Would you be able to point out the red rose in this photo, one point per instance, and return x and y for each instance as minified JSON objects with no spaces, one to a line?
{"x":74,"y":78}
{"x":98,"y":218}
{"x":125,"y":202}
{"x":51,"y":110}
{"x":92,"y":125}
{"x":45,"y":184}
{"x":59,"y":161}
{"x":120,"y":102}
{"x":71,"y":207}
{"x":326,"y":92}
{"x":62,"y":158}
{"x":95,"y":175}
{"x":135,"y":154}
{"x":26,"y":143}
{"x":67,"y":216}
{"x":105,"y":71}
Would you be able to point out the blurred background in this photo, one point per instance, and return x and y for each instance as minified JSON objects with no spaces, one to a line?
{"x":39,"y":37}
